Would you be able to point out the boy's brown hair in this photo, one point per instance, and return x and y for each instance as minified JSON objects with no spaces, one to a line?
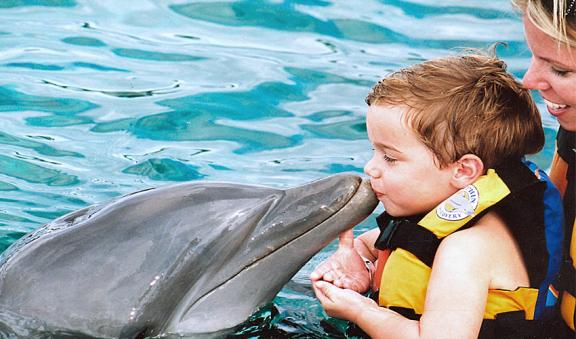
{"x":465,"y":104}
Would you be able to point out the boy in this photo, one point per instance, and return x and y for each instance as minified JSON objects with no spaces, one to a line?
{"x":461,"y":249}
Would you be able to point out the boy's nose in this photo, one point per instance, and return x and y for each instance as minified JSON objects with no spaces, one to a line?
{"x":371,"y":170}
{"x":533,"y":78}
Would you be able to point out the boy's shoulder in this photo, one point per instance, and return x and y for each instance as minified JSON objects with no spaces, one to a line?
{"x":487,"y":250}
{"x":484,"y":236}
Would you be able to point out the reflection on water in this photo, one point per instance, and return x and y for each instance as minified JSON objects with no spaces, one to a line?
{"x":102,"y":98}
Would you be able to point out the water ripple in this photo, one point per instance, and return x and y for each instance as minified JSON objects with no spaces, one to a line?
{"x":33,"y":173}
{"x":48,"y":3}
{"x":41,"y":148}
{"x":84,"y":41}
{"x":120,"y":94}
{"x":154,"y":56}
{"x":166,"y":170}
{"x":14,"y":101}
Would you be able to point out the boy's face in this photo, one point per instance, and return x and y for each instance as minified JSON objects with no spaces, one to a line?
{"x":402,"y":170}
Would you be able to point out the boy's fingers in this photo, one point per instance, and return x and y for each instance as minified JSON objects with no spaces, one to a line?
{"x":318,"y":291}
{"x":315,"y":276}
{"x":320,"y":287}
{"x":347,"y":239}
{"x":325,"y":288}
{"x":330,"y":276}
{"x":319,"y":272}
{"x":344,"y":282}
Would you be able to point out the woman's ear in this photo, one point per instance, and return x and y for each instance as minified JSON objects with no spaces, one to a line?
{"x":466,"y":170}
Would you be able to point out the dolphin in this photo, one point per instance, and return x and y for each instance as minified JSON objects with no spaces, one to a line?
{"x":193,"y":259}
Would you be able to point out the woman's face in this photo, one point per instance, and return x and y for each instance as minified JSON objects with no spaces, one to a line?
{"x":552,"y":71}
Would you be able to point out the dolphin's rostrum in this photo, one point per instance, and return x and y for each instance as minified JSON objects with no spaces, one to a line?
{"x":189,"y":259}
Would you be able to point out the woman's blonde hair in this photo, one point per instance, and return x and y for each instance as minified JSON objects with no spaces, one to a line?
{"x":465,"y":104}
{"x":556,"y":18}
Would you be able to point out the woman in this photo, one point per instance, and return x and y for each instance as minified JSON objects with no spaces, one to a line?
{"x":550,"y":28}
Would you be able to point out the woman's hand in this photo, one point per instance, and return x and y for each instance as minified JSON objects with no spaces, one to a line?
{"x":345,"y":268}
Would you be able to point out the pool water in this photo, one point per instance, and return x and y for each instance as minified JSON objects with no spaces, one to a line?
{"x":100,"y":98}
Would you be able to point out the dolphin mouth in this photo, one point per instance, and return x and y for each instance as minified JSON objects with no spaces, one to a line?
{"x":305,"y":245}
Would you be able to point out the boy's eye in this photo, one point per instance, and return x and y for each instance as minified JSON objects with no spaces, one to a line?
{"x":389,"y":159}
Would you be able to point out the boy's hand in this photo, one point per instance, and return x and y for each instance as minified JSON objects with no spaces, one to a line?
{"x":345,"y":268}
{"x":341,"y":303}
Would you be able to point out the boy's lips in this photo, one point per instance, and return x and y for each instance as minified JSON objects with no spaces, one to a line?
{"x":378,"y":194}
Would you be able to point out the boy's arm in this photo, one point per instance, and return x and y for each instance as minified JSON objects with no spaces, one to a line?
{"x":455,"y":299}
{"x":364,"y":244}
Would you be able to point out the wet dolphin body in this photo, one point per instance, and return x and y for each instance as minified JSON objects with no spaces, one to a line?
{"x":188,"y":259}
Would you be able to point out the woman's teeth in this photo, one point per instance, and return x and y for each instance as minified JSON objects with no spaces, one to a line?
{"x":554,"y":105}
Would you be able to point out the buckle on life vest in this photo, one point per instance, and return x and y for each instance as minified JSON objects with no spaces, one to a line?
{"x":388,"y":226}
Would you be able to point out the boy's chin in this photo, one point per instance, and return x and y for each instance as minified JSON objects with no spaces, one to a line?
{"x":400,"y":213}
{"x":394,"y":212}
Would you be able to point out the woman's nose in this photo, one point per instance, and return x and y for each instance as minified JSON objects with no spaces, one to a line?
{"x":534,"y":78}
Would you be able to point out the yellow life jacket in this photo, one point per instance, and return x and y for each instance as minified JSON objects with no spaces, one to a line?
{"x":508,"y":190}
{"x":562,"y":174}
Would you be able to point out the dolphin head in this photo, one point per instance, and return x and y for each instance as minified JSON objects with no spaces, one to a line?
{"x":188,"y":259}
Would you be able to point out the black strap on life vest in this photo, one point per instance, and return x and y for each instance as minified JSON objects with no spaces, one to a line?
{"x":407,"y":234}
{"x":567,"y":150}
{"x":508,"y":325}
{"x":567,"y":278}
{"x":523,"y":212}
{"x":566,"y":142}
{"x":512,"y":325}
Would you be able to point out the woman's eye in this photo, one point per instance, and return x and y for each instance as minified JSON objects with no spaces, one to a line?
{"x":559,"y":72}
{"x":389,"y":159}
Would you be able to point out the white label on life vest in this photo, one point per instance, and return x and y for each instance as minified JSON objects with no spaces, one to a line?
{"x":460,"y":205}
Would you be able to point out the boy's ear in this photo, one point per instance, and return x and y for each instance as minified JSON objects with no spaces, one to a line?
{"x":466,"y":170}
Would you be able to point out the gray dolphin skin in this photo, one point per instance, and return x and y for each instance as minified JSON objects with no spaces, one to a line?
{"x":192,"y":259}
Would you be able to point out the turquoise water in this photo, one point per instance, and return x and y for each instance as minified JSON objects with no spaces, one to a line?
{"x":101,"y":98}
